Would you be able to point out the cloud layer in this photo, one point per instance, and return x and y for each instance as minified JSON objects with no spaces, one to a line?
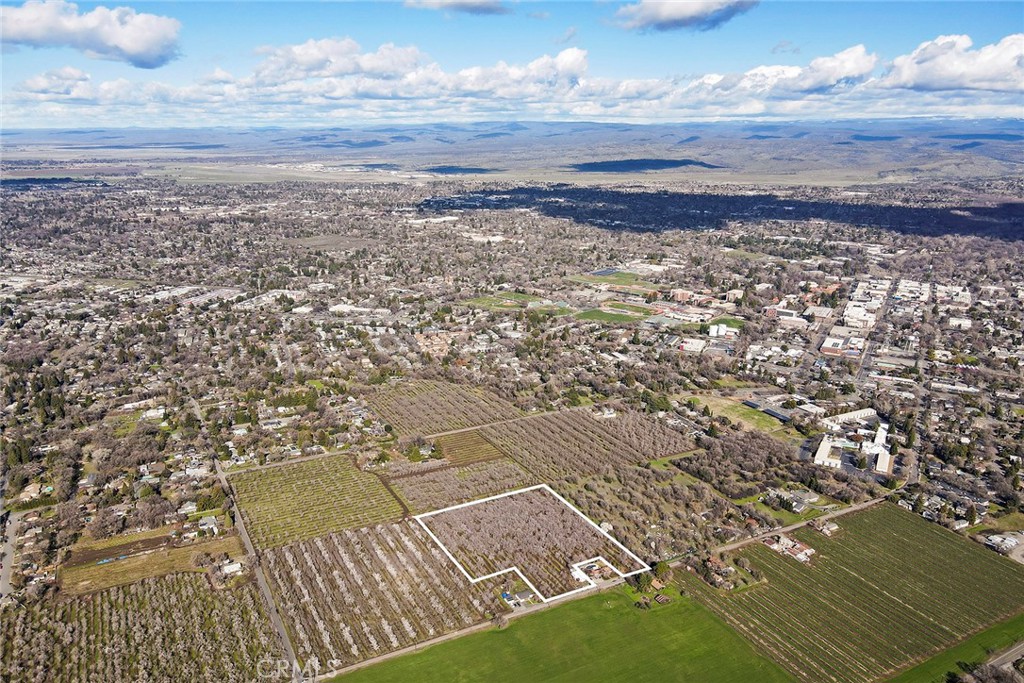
{"x":949,"y":62}
{"x":466,"y":6}
{"x":143,"y":40}
{"x":335,"y":80}
{"x":668,"y":15}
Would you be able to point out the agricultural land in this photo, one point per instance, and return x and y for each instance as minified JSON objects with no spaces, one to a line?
{"x":302,"y":500}
{"x":885,"y":592}
{"x":533,"y":531}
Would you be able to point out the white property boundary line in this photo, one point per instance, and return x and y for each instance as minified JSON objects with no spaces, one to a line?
{"x":575,"y":566}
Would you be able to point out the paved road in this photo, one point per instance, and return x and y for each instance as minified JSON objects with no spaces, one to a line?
{"x":1006,"y":658}
{"x":261,"y":579}
{"x":7,"y":557}
{"x":7,"y":548}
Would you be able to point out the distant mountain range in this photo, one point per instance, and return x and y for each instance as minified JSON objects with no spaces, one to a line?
{"x":955,"y":148}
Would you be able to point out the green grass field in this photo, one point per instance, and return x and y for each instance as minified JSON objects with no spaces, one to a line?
{"x":974,"y":650}
{"x":502,"y":301}
{"x":736,"y":411}
{"x":602,"y":316}
{"x":1011,"y":522}
{"x":602,"y":637}
{"x":620,"y":278}
{"x":735,"y":323}
{"x":630,"y":308}
{"x":889,"y":591}
{"x":744,"y":255}
{"x":310,"y":498}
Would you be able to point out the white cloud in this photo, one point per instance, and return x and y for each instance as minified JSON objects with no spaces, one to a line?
{"x":218,"y":75}
{"x":668,"y":15}
{"x":335,"y":57}
{"x":850,"y":66}
{"x":121,"y":34}
{"x":949,"y":63}
{"x":466,"y":6}
{"x":824,"y":74}
{"x":65,"y":82}
{"x":325,"y":81}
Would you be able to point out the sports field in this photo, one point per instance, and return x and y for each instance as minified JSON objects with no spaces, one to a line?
{"x":603,"y":637}
{"x":889,"y":591}
{"x":603,"y":316}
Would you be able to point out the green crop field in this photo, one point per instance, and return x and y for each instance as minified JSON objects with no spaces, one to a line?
{"x":887,"y":592}
{"x":602,"y":637}
{"x":311,"y":498}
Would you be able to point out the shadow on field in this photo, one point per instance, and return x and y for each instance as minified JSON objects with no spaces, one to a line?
{"x":646,"y":211}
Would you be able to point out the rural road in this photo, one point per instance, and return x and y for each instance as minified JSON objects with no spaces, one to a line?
{"x":7,"y":555}
{"x":7,"y":548}
{"x":261,"y":578}
{"x":1005,"y":659}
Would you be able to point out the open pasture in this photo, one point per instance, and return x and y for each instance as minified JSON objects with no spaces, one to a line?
{"x":601,"y":637}
{"x":90,"y":576}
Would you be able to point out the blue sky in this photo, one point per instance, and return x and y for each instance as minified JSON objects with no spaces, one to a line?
{"x":298,"y":63}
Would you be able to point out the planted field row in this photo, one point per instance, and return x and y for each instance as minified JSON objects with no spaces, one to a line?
{"x":310,"y":498}
{"x":428,"y":407}
{"x":160,"y":630}
{"x":442,"y":488}
{"x":533,"y":531}
{"x":352,"y":595}
{"x":566,"y":443}
{"x":466,"y":448}
{"x":889,"y":590}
